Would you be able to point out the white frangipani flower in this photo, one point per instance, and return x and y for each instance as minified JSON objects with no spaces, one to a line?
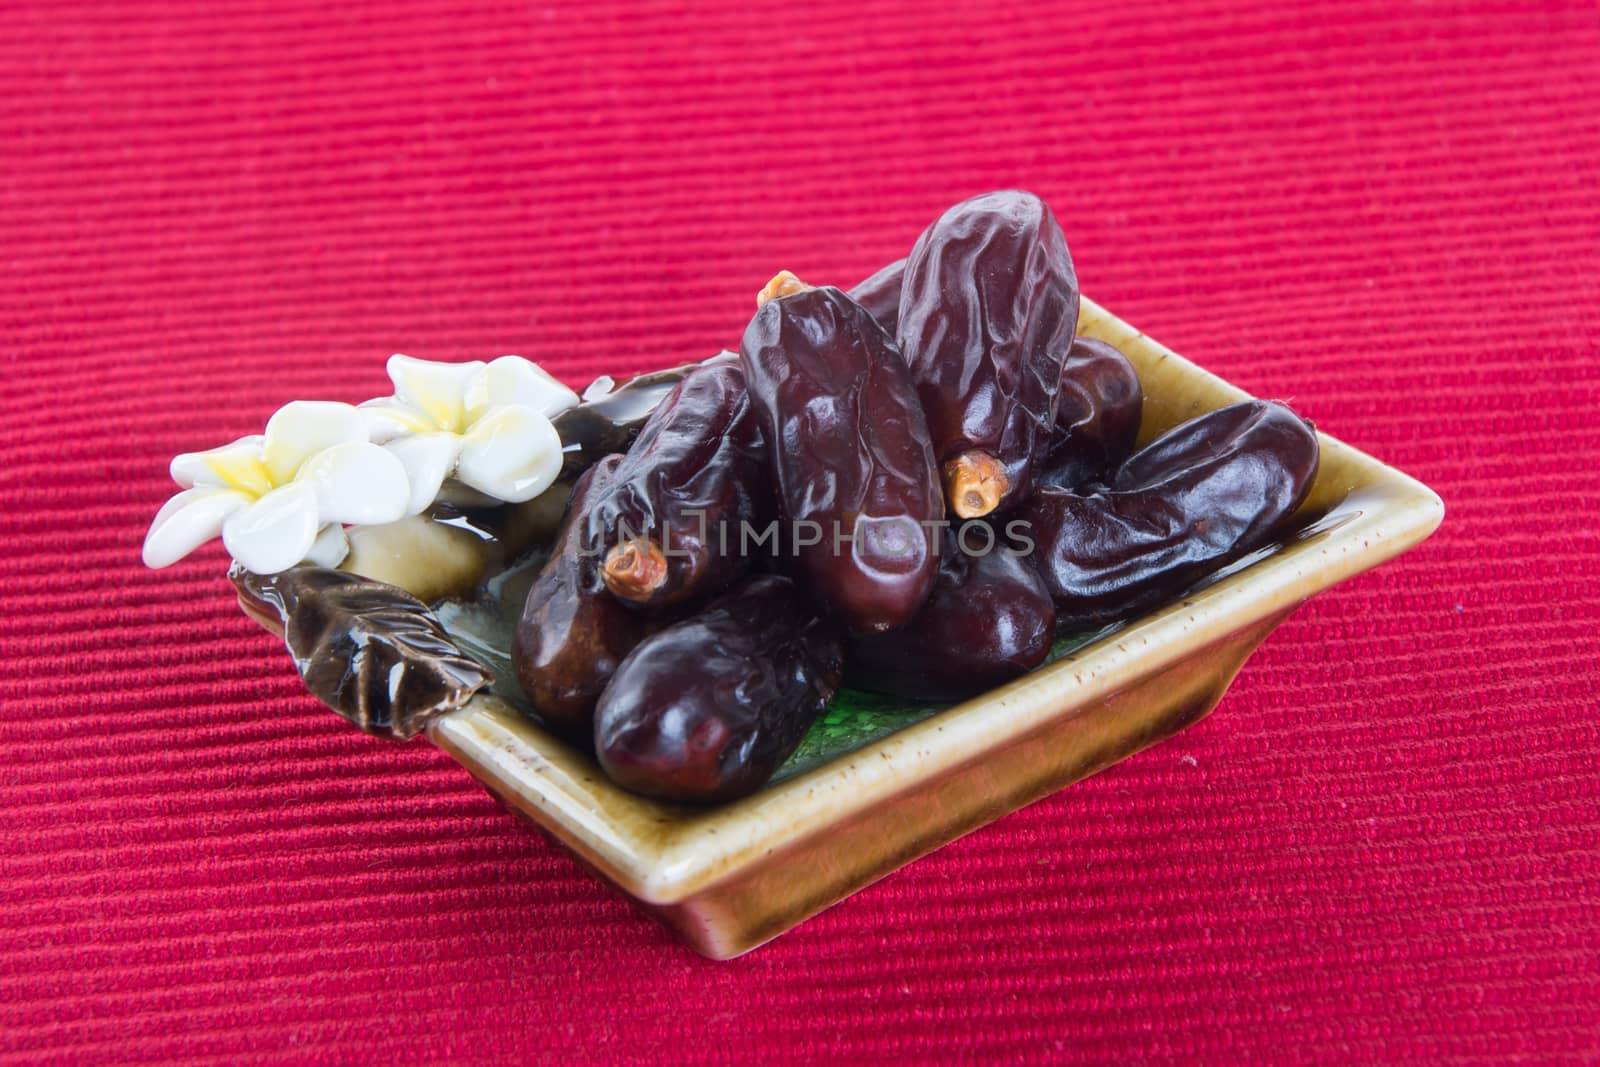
{"x":280,"y":497}
{"x":488,"y":424}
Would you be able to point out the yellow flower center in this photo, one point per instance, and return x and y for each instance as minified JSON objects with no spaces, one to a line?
{"x":245,"y":473}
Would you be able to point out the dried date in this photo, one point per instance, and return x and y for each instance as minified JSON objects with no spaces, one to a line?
{"x":694,"y":478}
{"x":1205,"y":492}
{"x":573,"y":633}
{"x":987,"y":313}
{"x":857,"y":488}
{"x":988,"y":621}
{"x":1097,"y":416}
{"x":880,"y":295}
{"x":707,"y":709}
{"x":609,"y":422}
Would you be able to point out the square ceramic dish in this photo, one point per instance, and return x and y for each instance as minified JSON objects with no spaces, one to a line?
{"x":730,"y":878}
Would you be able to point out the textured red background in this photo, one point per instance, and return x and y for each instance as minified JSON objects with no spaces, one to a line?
{"x":1386,"y":842}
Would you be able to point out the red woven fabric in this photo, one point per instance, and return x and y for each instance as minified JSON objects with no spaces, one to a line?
{"x":1384,"y":845}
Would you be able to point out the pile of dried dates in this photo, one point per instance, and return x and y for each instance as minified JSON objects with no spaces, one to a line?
{"x":917,"y":483}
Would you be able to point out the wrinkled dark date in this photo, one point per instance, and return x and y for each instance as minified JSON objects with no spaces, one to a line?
{"x":572,"y":633}
{"x":987,"y":312}
{"x":708,"y":708}
{"x":668,"y":516}
{"x":989,"y":620}
{"x":850,"y":450}
{"x":596,"y":428}
{"x":1206,"y":492}
{"x":880,"y":295}
{"x":1097,"y":416}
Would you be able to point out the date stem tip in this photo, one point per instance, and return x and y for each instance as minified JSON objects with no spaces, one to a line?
{"x":634,"y":570}
{"x":783,"y":283}
{"x":974,"y":482}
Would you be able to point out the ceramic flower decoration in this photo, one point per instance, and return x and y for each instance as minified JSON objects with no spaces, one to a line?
{"x":285,"y":495}
{"x":486,"y":424}
{"x":280,"y":497}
